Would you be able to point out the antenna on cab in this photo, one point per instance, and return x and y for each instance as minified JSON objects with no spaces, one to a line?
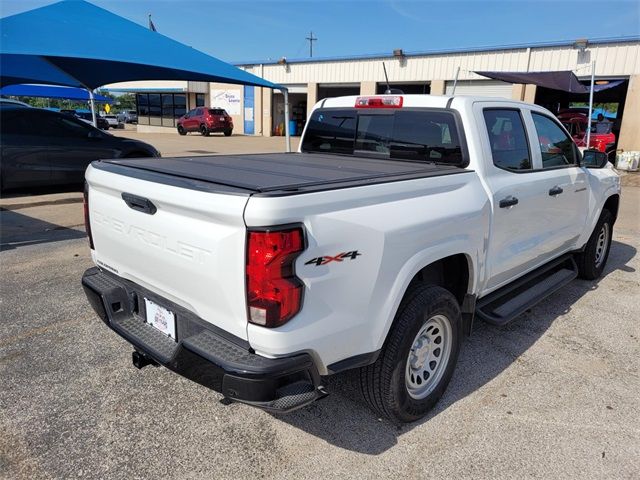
{"x":389,"y":90}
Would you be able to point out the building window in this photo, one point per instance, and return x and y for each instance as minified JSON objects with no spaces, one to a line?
{"x":180,"y":105}
{"x":167,"y":110}
{"x":161,"y":109}
{"x":199,"y":99}
{"x":155,"y":109}
{"x":142,"y":100}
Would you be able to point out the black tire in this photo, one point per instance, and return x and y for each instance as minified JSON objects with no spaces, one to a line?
{"x":592,"y":260}
{"x":204,"y":131}
{"x":181,"y":130}
{"x":227,"y":133}
{"x":383,"y":383}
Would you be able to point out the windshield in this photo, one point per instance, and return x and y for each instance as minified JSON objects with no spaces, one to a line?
{"x":423,"y":135}
{"x":602,"y":127}
{"x":217,"y":111}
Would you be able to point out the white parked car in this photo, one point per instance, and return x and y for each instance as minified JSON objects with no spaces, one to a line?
{"x":400,"y":220}
{"x":128,"y":116}
{"x":113,"y":121}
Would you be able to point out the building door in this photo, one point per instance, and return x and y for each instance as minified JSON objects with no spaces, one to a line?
{"x":248,"y":110}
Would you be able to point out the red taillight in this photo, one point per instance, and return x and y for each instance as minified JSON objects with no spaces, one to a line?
{"x":87,"y":224}
{"x":379,"y":102}
{"x":274,"y":293}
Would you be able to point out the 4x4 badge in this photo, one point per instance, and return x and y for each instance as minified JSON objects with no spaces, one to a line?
{"x":335,"y":258}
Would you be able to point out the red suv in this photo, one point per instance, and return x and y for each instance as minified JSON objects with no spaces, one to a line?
{"x":205,"y":120}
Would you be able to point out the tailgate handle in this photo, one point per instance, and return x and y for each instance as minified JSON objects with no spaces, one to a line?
{"x":140,"y":204}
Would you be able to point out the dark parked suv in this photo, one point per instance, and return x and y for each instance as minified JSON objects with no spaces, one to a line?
{"x":205,"y":120}
{"x":88,"y":118}
{"x":40,"y":147}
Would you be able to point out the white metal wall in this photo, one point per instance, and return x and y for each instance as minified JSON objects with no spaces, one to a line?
{"x":485,"y":88}
{"x":611,"y":60}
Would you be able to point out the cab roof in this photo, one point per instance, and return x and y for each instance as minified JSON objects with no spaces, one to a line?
{"x":424,"y":101}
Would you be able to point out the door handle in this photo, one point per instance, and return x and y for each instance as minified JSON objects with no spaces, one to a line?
{"x":556,"y":191}
{"x":509,"y":201}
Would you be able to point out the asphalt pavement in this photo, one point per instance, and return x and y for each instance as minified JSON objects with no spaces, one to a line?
{"x":555,"y":394}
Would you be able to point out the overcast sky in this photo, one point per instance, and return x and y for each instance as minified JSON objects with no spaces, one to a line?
{"x":261,"y":30}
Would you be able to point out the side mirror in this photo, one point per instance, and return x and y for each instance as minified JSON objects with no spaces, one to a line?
{"x":594,"y":159}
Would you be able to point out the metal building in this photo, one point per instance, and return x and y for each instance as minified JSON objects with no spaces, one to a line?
{"x":261,"y":111}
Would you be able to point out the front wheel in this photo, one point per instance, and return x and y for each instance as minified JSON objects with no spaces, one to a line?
{"x":593,"y":258}
{"x":181,"y":130}
{"x":204,"y":131}
{"x":418,"y":357}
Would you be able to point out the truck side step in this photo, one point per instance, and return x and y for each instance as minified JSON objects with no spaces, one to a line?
{"x":505,"y":304}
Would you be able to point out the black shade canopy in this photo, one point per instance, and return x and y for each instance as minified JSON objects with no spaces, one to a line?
{"x":561,"y":80}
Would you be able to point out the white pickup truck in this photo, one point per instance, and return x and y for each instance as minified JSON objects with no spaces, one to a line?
{"x":400,"y":219}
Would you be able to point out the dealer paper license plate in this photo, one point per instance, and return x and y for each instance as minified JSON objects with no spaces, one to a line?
{"x":161,"y":318}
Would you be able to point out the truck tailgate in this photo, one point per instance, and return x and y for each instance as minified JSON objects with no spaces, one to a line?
{"x":190,"y":250}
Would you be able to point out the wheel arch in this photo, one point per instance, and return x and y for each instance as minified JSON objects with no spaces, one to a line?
{"x":453,"y":273}
{"x":612,"y":204}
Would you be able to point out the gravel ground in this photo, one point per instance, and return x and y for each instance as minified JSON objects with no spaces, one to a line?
{"x":553,"y":395}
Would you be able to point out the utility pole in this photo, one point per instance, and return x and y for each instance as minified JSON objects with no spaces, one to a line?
{"x":311,"y":39}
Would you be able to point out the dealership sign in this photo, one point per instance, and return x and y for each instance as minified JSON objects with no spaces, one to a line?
{"x":230,"y":100}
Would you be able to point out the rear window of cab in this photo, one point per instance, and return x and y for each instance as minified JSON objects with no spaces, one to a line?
{"x":419,"y":135}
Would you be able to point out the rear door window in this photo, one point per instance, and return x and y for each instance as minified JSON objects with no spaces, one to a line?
{"x":508,"y":139}
{"x":61,"y":126}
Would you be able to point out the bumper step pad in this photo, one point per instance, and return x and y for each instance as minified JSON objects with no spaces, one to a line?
{"x":139,"y":332}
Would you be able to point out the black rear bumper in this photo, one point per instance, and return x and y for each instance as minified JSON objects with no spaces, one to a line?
{"x":203,"y":353}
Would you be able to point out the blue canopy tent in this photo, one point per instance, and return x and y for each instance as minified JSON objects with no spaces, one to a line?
{"x":51,"y":91}
{"x":90,"y":47}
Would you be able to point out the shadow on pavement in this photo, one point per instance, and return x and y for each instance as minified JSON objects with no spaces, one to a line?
{"x":18,"y":230}
{"x":344,"y":420}
{"x":29,"y":191}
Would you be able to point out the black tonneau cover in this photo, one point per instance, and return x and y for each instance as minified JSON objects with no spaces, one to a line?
{"x":273,"y":173}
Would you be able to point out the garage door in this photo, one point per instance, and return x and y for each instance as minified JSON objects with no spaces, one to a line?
{"x":484,"y":88}
{"x":294,"y":88}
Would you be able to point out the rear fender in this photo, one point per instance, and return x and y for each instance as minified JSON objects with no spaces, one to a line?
{"x":417,"y":263}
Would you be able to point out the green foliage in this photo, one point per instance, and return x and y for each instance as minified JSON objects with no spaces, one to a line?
{"x":126,"y":101}
{"x":53,"y":103}
{"x":608,"y":107}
